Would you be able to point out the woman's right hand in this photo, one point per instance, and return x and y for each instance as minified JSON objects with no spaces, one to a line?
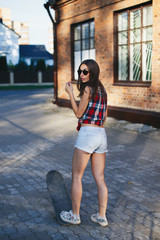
{"x":69,"y":88}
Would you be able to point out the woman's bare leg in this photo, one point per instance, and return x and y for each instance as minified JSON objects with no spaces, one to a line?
{"x":98,"y":166}
{"x":79,"y":163}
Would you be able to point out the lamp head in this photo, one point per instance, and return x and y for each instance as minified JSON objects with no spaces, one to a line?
{"x":52,"y":2}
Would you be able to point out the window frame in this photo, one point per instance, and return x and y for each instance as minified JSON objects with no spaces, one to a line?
{"x":129,"y":82}
{"x":72,"y":44}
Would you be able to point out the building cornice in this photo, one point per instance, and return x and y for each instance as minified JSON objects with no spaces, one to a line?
{"x":62,"y":3}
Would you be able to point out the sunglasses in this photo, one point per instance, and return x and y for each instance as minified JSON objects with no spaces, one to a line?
{"x":85,"y":72}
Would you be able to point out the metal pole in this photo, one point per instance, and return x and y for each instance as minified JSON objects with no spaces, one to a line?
{"x":47,"y":7}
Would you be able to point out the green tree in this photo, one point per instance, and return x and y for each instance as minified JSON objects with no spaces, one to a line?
{"x":21,"y":66}
{"x":10,"y":66}
{"x":40,"y":65}
{"x":3,"y":64}
{"x":32,"y":67}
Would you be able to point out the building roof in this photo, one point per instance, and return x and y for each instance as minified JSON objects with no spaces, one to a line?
{"x":34,"y":52}
{"x":1,"y":22}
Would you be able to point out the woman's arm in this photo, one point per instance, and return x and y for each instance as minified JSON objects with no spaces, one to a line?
{"x":78,"y":109}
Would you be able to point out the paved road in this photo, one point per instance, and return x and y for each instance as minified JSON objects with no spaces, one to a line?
{"x":35,"y":137}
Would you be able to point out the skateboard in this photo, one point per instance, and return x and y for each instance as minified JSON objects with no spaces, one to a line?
{"x":59,"y":194}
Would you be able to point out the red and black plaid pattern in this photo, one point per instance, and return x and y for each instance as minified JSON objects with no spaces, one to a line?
{"x":95,"y":111}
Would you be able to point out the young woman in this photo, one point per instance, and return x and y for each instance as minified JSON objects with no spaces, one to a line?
{"x":91,"y":142}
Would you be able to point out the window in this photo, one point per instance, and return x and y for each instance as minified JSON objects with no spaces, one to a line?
{"x":133,"y":46}
{"x":83,"y":44}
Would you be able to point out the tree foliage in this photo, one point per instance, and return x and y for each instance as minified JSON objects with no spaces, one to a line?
{"x":21,"y":66}
{"x":3,"y":64}
{"x":40,"y":65}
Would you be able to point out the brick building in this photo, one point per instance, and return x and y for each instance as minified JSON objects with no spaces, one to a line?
{"x":123,"y":36}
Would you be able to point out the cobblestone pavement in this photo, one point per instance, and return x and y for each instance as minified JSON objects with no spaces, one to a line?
{"x":37,"y":136}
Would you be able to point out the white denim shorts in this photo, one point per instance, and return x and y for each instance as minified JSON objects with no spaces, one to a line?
{"x":92,"y":139}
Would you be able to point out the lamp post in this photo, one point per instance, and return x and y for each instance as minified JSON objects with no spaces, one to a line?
{"x":48,"y":5}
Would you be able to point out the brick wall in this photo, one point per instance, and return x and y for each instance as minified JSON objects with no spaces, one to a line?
{"x":145,"y":98}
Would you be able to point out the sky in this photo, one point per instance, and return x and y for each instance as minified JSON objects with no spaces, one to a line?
{"x":34,"y":13}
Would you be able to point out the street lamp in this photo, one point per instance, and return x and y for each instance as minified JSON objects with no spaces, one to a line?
{"x":48,"y":5}
{"x":52,"y":4}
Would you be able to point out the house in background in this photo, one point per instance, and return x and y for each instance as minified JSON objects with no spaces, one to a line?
{"x":33,"y":53}
{"x":9,"y":46}
{"x":5,"y":15}
{"x":123,"y":36}
{"x":21,"y":28}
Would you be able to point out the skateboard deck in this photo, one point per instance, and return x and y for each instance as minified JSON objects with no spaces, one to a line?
{"x":59,"y":194}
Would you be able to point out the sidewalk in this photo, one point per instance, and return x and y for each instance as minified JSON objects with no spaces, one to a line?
{"x":36,"y":137}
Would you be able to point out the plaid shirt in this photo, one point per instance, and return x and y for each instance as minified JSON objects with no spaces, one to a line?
{"x":95,"y":111}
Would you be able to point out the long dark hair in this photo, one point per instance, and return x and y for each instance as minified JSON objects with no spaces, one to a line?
{"x":94,"y":82}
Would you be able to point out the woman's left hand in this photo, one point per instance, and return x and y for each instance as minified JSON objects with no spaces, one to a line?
{"x":69,"y":88}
